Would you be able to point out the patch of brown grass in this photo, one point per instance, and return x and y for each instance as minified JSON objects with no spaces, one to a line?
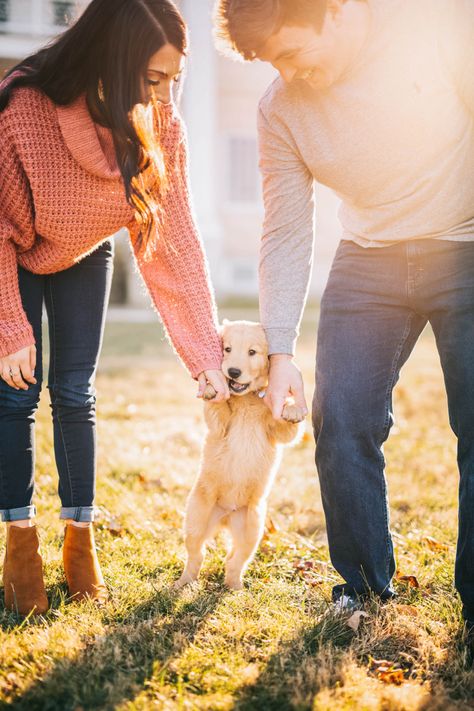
{"x":274,"y":645}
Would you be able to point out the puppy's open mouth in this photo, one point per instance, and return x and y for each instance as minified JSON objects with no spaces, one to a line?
{"x":238,"y":387}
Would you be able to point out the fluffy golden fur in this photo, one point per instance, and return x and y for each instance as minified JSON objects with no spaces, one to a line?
{"x":240,"y":457}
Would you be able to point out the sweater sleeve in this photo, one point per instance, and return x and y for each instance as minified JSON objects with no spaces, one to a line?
{"x":286,"y":250}
{"x":457,"y":46}
{"x":16,"y":233}
{"x":177,"y":276}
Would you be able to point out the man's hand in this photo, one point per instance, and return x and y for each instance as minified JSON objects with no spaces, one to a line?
{"x":284,"y":381}
{"x":213,"y":379}
{"x":17,"y":369}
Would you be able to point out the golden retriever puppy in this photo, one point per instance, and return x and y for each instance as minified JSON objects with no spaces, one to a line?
{"x":240,"y":456}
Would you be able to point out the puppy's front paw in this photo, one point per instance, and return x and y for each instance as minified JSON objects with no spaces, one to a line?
{"x":184,"y":580}
{"x":209,"y":392}
{"x":293,"y":413}
{"x":233,"y":582}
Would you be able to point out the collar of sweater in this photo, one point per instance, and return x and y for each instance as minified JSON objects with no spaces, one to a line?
{"x":80,"y":135}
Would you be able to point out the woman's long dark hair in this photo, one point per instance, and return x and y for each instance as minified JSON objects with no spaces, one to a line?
{"x":105,"y":56}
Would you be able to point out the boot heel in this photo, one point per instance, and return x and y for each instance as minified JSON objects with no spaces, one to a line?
{"x":23,"y":572}
{"x":81,"y":566}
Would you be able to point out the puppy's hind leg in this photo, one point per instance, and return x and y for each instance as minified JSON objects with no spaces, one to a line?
{"x":201,"y":519}
{"x":246,"y":526}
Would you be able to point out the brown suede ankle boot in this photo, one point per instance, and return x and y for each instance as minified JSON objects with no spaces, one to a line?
{"x":23,"y":572}
{"x":83,"y":574}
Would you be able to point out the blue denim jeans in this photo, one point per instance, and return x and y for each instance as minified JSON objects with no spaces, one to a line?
{"x":375,"y":306}
{"x":76,"y":301}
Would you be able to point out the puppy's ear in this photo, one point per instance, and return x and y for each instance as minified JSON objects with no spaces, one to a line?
{"x":222,"y":326}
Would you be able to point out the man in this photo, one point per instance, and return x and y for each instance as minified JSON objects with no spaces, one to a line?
{"x":375,"y":99}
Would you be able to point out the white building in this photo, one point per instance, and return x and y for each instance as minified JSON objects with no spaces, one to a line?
{"x":219,"y":105}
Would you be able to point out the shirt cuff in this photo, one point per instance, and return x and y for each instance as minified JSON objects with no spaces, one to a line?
{"x":281,"y":340}
{"x":199,"y":368}
{"x":13,"y":344}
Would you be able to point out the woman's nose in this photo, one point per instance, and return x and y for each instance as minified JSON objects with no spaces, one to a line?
{"x":163,"y":93}
{"x":165,"y":97}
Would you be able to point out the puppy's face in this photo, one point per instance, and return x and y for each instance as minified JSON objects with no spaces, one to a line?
{"x":245,"y":363}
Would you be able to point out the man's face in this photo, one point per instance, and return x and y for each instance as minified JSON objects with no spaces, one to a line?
{"x":303,"y":53}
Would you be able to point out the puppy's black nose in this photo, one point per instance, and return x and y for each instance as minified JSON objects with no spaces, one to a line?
{"x":234,"y":373}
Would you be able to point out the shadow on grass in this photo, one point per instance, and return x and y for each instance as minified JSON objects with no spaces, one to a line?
{"x":116,"y":666}
{"x":11,"y":621}
{"x":455,"y":675}
{"x":314,"y":659}
{"x":283,"y":684}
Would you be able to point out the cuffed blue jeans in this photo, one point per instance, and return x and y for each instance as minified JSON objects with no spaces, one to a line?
{"x":76,"y":301}
{"x":376,"y":303}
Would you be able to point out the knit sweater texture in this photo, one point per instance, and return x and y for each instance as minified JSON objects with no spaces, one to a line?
{"x":62,"y":194}
{"x":393,"y":138}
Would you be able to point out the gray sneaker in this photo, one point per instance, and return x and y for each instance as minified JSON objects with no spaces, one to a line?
{"x":346,"y":604}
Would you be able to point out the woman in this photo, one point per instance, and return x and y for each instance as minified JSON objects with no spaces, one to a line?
{"x":90,"y":142}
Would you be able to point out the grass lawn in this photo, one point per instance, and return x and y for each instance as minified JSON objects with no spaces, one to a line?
{"x":272,"y":645}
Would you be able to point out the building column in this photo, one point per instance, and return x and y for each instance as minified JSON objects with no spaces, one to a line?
{"x":37,"y":17}
{"x":200,"y":111}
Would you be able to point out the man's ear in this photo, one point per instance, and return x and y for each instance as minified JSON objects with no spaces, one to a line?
{"x":334,"y":8}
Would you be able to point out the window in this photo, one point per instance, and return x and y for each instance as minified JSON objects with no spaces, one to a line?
{"x":62,"y":12}
{"x":243,"y":170}
{"x":4,"y":10}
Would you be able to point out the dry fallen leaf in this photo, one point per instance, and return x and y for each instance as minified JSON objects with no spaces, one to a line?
{"x":394,"y":676}
{"x":410,"y":580}
{"x":307,"y":570}
{"x":354,"y":620}
{"x":172,"y":517}
{"x":151,"y":483}
{"x":302,"y":564}
{"x":114,"y":527}
{"x":271,"y":526}
{"x":433,"y":544}
{"x":108,"y":522}
{"x":387,"y":671}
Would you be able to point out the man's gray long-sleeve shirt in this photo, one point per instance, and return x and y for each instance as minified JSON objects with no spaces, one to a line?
{"x":394,"y":139}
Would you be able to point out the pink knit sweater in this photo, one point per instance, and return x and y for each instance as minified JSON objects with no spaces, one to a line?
{"x":61,"y":195}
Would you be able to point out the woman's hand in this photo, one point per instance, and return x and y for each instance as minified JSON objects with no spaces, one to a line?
{"x":215,"y":379}
{"x":18,"y":369}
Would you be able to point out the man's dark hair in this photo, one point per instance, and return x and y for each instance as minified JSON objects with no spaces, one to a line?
{"x":244,"y":26}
